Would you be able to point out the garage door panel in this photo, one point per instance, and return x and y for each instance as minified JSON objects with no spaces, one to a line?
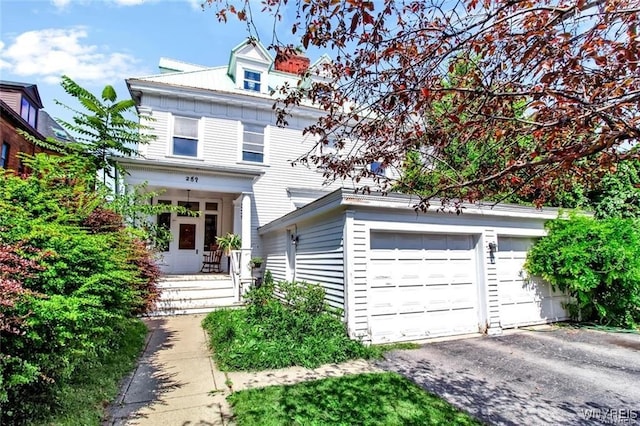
{"x":381,"y":273}
{"x":434,"y":242}
{"x":459,"y":242}
{"x":431,"y":287}
{"x":523,"y":300}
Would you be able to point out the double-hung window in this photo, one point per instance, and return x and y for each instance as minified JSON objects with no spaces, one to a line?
{"x":185,"y":136}
{"x":253,"y":143}
{"x":28,"y":112}
{"x":251,"y":80}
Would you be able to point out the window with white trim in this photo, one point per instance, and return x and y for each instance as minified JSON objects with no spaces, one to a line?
{"x":185,"y":136}
{"x":251,"y":80}
{"x":253,"y":143}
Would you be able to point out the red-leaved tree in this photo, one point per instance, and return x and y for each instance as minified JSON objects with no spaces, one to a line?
{"x":552,"y":91}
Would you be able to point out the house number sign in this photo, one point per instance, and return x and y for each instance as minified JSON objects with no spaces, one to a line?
{"x":191,"y":178}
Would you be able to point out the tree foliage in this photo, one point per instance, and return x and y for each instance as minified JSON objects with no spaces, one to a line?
{"x":595,"y":261}
{"x":102,"y":126}
{"x":570,"y":68}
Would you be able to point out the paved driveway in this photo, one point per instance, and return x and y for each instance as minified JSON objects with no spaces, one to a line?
{"x":548,"y":377}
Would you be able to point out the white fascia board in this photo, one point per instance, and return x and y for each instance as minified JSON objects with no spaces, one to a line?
{"x":136,"y":163}
{"x":348,"y":199}
{"x":407,"y":202}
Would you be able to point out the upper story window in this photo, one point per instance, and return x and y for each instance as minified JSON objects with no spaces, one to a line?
{"x":253,"y":143}
{"x":376,"y":168}
{"x":4,"y":156}
{"x":185,"y":136}
{"x":251,"y":80}
{"x":28,"y":112}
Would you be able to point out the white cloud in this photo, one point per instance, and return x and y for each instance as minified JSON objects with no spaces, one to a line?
{"x":50,"y":53}
{"x":60,"y":4}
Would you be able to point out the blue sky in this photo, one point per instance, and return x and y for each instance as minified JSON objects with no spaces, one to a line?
{"x":103,"y":42}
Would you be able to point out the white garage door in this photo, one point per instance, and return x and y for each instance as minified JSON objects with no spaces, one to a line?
{"x":524,"y":301}
{"x":421,"y":285}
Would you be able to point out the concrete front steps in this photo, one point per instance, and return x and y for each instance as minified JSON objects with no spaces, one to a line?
{"x":194,"y":294}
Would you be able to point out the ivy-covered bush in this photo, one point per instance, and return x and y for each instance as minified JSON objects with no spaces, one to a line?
{"x":72,"y":276}
{"x":595,"y":261}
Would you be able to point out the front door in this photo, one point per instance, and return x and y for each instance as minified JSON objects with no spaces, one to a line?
{"x":188,"y":244}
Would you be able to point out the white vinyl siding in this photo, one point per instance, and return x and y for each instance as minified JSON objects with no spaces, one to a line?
{"x":319,"y":257}
{"x":274,"y":249}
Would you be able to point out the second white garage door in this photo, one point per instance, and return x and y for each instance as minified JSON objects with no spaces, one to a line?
{"x":523,"y":301}
{"x":421,"y":285}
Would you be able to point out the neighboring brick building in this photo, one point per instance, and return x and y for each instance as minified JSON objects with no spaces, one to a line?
{"x":21,"y":109}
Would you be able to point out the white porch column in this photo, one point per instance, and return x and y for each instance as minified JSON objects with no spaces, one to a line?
{"x":243,"y":206}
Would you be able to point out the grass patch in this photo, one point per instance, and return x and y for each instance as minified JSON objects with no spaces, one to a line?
{"x":296,"y":328}
{"x":364,"y":399}
{"x":82,"y":401}
{"x":287,"y":338}
{"x":398,"y":346}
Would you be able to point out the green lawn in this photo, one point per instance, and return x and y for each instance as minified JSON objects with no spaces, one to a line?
{"x":364,"y":399}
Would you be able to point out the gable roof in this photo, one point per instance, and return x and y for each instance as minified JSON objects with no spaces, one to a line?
{"x":250,"y":49}
{"x":29,"y":89}
{"x":49,"y":128}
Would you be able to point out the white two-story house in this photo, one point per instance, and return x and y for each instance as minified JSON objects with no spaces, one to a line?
{"x":397,"y":275}
{"x":217,"y":150}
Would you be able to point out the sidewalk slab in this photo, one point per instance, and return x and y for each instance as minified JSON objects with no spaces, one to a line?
{"x":241,"y":380}
{"x":175,"y":381}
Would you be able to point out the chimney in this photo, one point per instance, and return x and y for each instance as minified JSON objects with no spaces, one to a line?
{"x":291,"y":61}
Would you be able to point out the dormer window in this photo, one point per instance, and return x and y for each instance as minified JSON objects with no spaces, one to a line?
{"x":252,"y":80}
{"x":28,"y":112}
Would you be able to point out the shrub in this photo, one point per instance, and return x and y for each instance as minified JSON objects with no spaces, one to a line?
{"x":595,"y":261}
{"x":272,"y":333}
{"x":70,"y":274}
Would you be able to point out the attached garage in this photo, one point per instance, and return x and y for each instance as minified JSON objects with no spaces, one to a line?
{"x":409,"y":276}
{"x":523,"y":300}
{"x":421,"y":285}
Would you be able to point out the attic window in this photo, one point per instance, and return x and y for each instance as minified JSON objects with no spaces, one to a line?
{"x":252,"y":80}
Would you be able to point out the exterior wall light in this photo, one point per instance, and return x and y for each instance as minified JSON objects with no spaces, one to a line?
{"x":493,"y":248}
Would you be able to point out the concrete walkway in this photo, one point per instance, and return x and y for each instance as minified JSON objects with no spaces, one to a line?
{"x":177,"y":383}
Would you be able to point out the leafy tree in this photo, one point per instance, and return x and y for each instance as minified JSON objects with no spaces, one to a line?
{"x":618,"y":194}
{"x":573,"y":65}
{"x":102,"y":128}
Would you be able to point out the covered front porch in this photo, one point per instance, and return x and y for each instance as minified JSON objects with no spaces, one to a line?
{"x":221,"y":201}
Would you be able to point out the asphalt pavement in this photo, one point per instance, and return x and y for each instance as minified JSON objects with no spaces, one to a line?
{"x":550,"y":376}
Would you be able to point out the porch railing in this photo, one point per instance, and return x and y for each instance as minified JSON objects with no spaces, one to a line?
{"x":241,"y":279}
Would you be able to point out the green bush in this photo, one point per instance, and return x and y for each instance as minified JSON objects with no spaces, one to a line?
{"x":595,"y":261}
{"x":70,"y":274}
{"x":273,"y":333}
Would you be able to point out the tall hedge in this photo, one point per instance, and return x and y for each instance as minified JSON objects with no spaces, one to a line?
{"x":595,"y":261}
{"x":71,"y":277}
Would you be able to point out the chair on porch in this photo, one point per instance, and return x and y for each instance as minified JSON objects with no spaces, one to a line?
{"x":211,"y":261}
